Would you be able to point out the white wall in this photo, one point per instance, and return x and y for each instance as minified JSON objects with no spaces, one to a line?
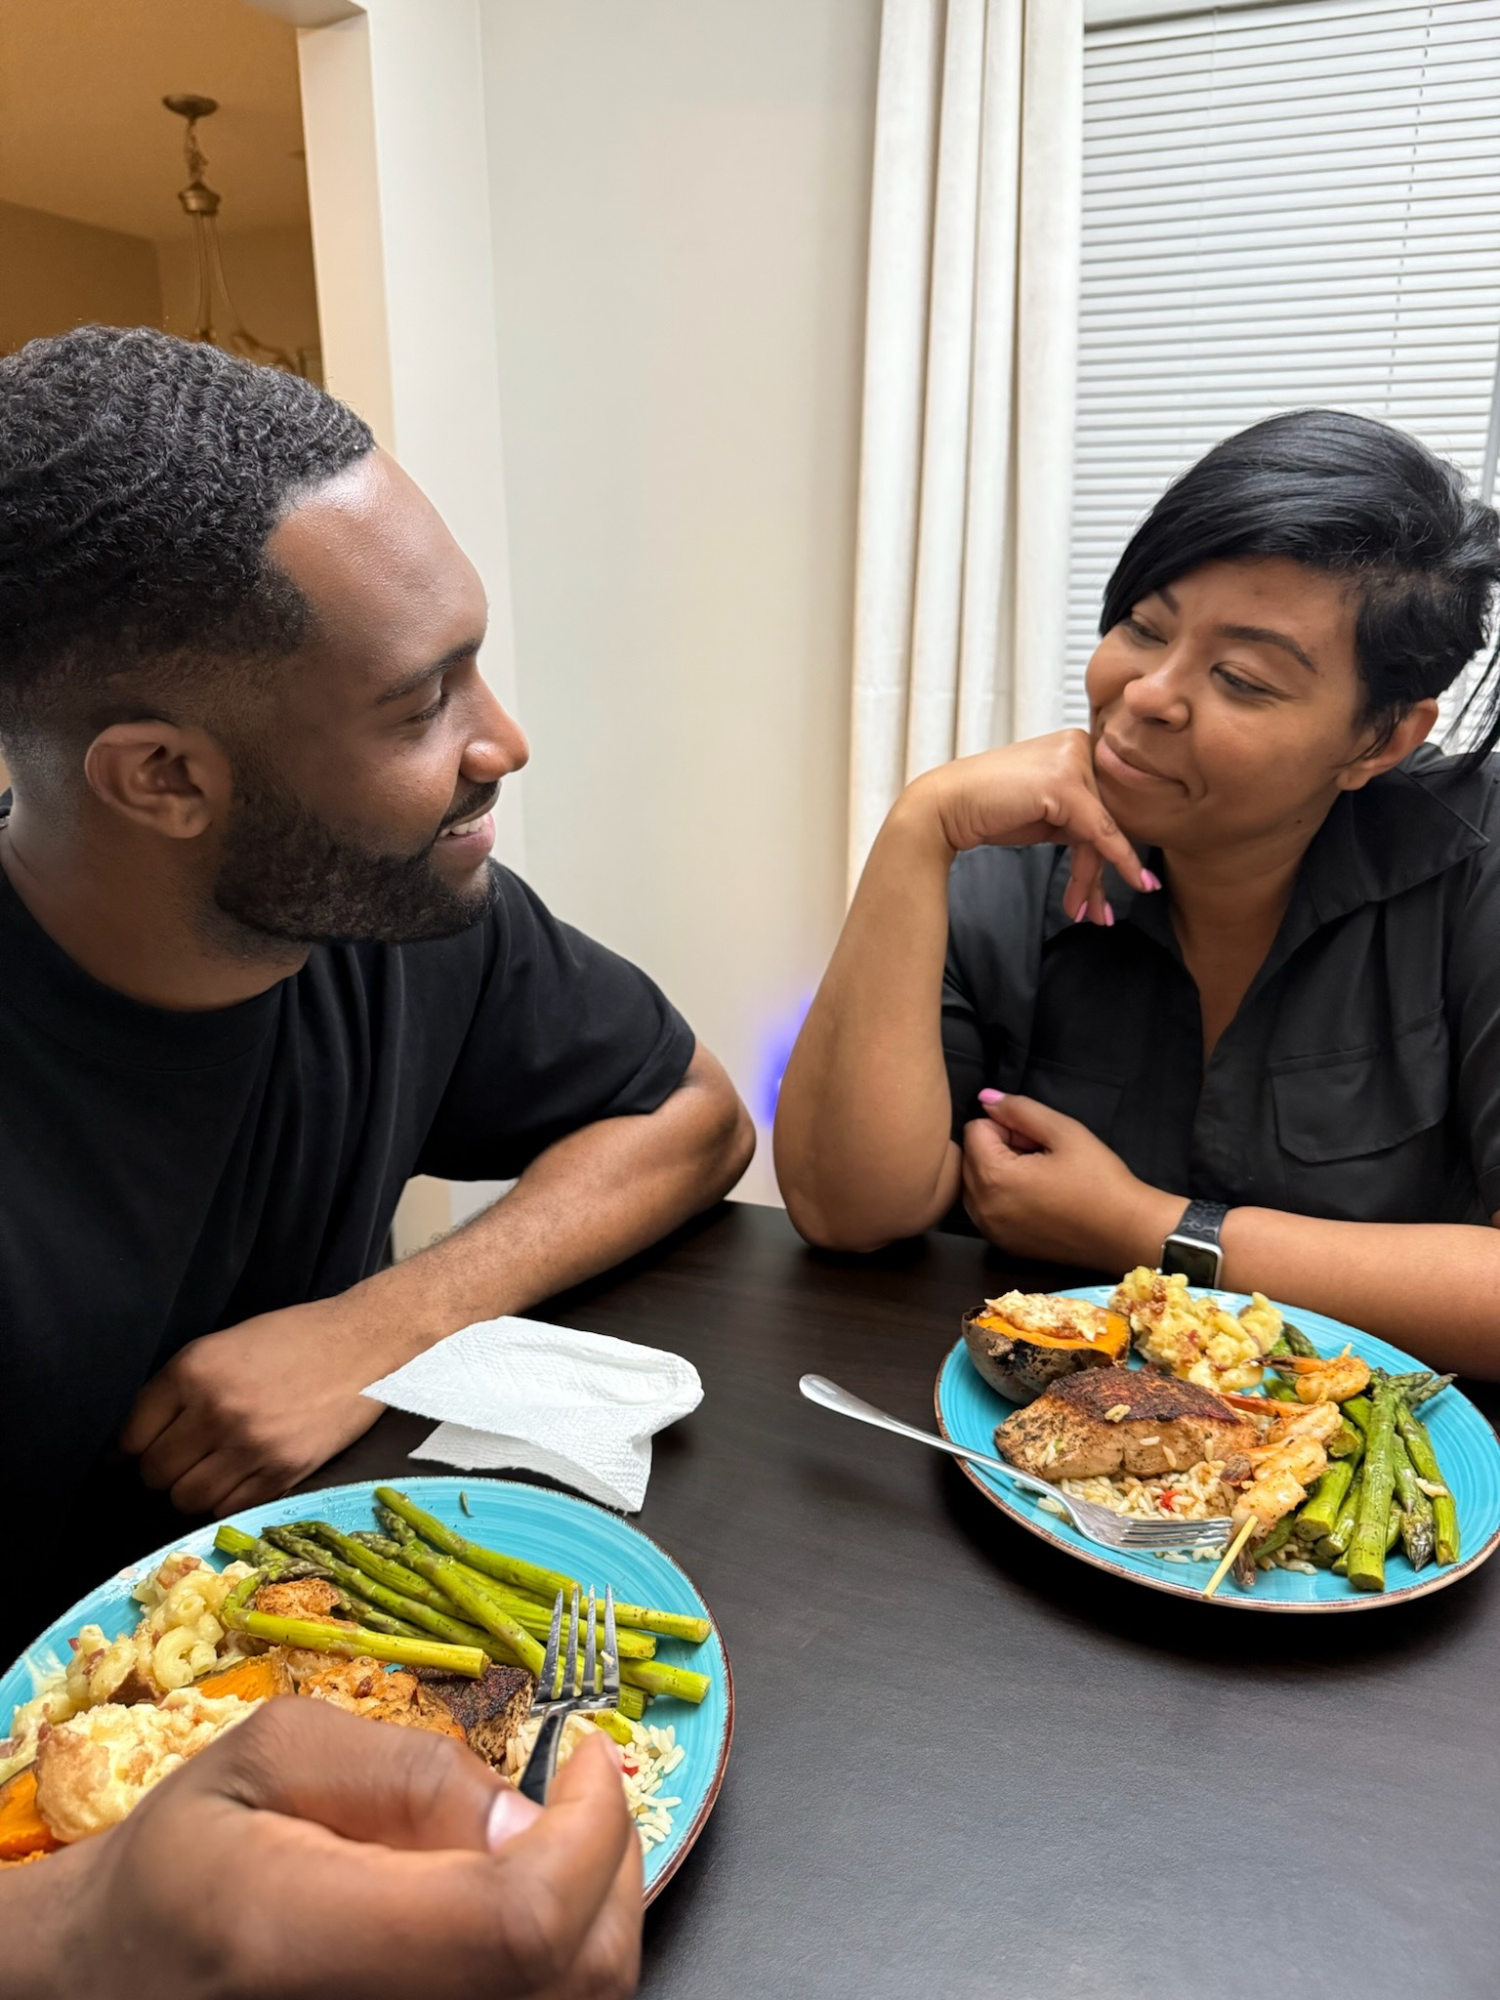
{"x":679,"y":200}
{"x":665,"y":207}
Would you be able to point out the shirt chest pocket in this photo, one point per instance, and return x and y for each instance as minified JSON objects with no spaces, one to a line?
{"x":1364,"y":1136}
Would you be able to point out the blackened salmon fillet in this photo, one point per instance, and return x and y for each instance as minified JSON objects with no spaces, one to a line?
{"x":1109,"y":1420}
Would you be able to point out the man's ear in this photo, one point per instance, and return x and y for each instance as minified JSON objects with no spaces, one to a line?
{"x":167,"y":779}
{"x":1414,"y":728}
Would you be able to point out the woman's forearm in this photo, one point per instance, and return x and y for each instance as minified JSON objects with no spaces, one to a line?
{"x":1431,"y":1288}
{"x":863,"y":1147}
{"x":864,"y":1150}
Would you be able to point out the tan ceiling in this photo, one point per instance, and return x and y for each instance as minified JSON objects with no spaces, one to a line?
{"x":83,"y":132}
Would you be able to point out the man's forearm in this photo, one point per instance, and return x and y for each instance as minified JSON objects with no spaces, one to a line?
{"x":596,"y":1197}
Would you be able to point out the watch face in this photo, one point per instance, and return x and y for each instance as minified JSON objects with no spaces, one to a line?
{"x":1198,"y":1262}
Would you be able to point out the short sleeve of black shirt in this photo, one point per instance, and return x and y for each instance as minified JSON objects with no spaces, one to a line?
{"x":564,"y":1032}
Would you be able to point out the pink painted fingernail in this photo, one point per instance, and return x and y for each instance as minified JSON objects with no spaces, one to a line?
{"x":1082,"y":914}
{"x":1109,"y":915}
{"x":991,"y":1096}
{"x":509,"y":1815}
{"x":1148,"y":880}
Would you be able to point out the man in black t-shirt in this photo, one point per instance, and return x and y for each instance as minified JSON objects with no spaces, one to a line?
{"x":256,"y":965}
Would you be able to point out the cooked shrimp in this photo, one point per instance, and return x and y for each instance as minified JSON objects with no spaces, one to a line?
{"x":1317,"y":1421}
{"x":1333,"y":1381}
{"x":1289,"y":1458}
{"x":1270,"y":1494}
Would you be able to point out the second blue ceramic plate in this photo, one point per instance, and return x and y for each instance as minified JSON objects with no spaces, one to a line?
{"x":558,"y":1531}
{"x":1468,"y":1451}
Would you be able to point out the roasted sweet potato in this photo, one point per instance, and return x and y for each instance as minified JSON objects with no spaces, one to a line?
{"x":23,"y":1831}
{"x":255,"y":1679}
{"x":1024,"y":1342}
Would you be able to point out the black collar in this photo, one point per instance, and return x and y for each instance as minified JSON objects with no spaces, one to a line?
{"x":1397,"y":832}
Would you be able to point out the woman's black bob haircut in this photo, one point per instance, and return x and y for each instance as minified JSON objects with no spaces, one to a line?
{"x":1355,"y":499}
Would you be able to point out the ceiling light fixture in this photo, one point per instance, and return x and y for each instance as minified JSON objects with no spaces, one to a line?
{"x":201,"y":206}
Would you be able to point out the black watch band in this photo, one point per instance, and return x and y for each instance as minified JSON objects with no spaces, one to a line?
{"x":1193,"y":1247}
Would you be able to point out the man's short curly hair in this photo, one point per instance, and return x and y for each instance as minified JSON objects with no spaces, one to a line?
{"x":140,"y":477}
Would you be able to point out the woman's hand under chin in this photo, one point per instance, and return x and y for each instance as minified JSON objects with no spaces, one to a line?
{"x":1040,"y":790}
{"x":1041,"y":1185}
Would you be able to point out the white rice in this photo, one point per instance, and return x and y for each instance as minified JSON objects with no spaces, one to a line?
{"x":650,"y":1759}
{"x":1197,"y":1496}
{"x":1197,"y":1493}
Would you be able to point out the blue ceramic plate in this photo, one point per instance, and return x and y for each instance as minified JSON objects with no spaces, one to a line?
{"x":557,"y":1530}
{"x":1468,"y":1452}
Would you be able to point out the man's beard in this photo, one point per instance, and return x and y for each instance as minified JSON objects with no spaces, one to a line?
{"x":286,"y":874}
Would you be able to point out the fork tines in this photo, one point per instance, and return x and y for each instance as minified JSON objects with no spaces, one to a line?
{"x":576,"y":1671}
{"x":609,"y":1680}
{"x":1197,"y":1535}
{"x":588,"y":1652}
{"x":546,"y":1687}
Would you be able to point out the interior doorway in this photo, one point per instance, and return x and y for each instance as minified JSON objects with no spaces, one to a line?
{"x":91,"y":164}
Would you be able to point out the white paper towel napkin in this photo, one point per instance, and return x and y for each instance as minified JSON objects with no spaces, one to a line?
{"x":580,"y":1407}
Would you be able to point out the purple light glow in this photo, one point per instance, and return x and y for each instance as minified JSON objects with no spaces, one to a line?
{"x":776,"y":1051}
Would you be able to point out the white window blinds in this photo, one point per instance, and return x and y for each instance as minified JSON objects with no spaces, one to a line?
{"x":1283,"y":205}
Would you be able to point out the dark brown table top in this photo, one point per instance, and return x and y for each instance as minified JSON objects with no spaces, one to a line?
{"x":965,"y":1764}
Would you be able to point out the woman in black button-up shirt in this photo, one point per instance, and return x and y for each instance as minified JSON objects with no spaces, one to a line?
{"x":1237,"y":944}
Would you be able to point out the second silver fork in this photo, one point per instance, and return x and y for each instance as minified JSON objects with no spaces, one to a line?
{"x":1099,"y":1524}
{"x":570,"y":1685}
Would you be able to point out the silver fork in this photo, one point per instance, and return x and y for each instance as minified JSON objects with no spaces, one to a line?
{"x":1099,"y":1524}
{"x":568,"y":1686}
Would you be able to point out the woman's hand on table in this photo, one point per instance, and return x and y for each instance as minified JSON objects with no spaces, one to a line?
{"x":1041,"y":790}
{"x":1041,"y":1185}
{"x":309,"y":1853}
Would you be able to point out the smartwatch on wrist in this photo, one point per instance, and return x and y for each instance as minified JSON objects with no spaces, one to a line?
{"x":1193,"y":1247}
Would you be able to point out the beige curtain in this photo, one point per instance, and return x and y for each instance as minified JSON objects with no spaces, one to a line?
{"x":970,"y":360}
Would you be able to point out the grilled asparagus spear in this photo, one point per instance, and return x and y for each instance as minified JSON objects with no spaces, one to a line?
{"x":1416,"y":1508}
{"x":363,"y":1592}
{"x":476,"y":1605}
{"x":529,"y":1577}
{"x":1319,"y":1513}
{"x":1367,"y":1544}
{"x":1295,"y":1341}
{"x":353,"y":1642}
{"x":1413,"y":1434}
{"x":1336,"y":1544}
{"x":274,"y":1564}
